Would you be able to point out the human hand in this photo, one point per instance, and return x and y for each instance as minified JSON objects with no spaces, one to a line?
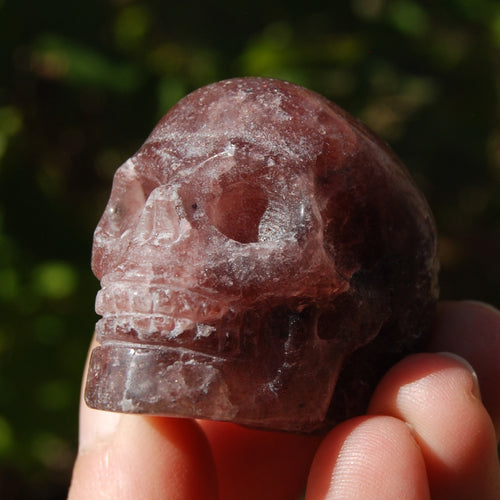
{"x":428,"y":433}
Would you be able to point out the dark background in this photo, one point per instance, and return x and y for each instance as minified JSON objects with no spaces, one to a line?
{"x":83,"y":83}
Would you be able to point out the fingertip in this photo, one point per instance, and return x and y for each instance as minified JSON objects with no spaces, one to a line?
{"x":368,"y":457}
{"x":472,"y":330}
{"x":475,"y":389}
{"x":147,"y":457}
{"x":437,"y":395}
{"x":443,"y":372}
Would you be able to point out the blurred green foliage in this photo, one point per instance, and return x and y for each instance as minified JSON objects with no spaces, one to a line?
{"x":83,"y":83}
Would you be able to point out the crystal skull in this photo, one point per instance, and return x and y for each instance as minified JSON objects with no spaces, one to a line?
{"x":263,"y":259}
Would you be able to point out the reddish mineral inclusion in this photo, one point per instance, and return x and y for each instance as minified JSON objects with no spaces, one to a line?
{"x":263,"y":258}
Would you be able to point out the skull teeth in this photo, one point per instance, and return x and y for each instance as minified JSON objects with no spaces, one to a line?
{"x":180,"y":305}
{"x":153,"y":314}
{"x":142,"y":327}
{"x":157,"y":329}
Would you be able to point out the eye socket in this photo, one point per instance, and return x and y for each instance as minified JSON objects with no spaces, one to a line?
{"x":126,"y":202}
{"x":237,"y":212}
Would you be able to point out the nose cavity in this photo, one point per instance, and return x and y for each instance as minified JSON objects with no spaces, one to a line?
{"x":237,"y":212}
{"x":159,"y":222}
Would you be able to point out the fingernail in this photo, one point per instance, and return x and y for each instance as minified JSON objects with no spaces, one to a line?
{"x":475,"y":389}
{"x":411,"y":428}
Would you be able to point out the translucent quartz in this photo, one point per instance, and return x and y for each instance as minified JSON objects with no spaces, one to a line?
{"x":263,"y":258}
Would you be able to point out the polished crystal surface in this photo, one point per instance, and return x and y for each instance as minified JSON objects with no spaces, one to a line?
{"x":263,"y":259}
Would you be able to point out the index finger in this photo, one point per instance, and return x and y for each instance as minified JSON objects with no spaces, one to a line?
{"x":472,"y":330}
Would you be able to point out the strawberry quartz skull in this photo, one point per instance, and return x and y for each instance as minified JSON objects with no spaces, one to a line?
{"x":263,"y":258}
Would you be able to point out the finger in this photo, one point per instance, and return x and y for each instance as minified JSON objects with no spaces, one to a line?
{"x":130,"y":457}
{"x":147,"y":459}
{"x":472,"y":330}
{"x":369,"y":457}
{"x":438,"y":396}
{"x":259,"y":464}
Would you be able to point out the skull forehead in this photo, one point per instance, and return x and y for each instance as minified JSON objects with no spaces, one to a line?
{"x":249,"y":120}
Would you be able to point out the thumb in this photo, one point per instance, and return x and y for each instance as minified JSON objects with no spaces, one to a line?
{"x":131,"y":456}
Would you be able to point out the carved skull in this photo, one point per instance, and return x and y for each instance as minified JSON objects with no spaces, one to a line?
{"x":259,"y":244}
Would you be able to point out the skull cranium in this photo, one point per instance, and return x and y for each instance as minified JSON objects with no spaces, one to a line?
{"x":258,"y":242}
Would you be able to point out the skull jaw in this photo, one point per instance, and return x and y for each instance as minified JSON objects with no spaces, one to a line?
{"x":170,"y":381}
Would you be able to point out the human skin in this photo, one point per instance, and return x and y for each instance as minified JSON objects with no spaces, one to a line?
{"x":431,"y":431}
